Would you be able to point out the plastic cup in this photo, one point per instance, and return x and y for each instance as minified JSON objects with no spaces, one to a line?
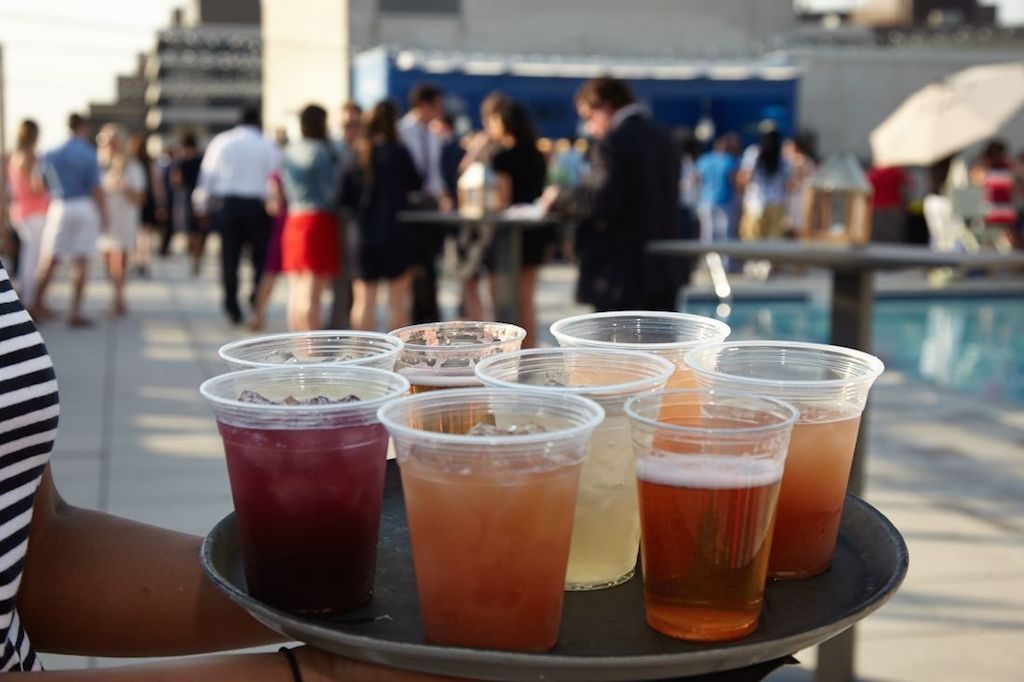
{"x":336,"y":347}
{"x":606,"y":529}
{"x":490,"y":516}
{"x":443,"y":354}
{"x":708,"y":485}
{"x":829,"y":385}
{"x":669,"y":335}
{"x":307,"y":480}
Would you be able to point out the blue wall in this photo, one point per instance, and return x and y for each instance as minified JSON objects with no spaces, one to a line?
{"x":734,"y":105}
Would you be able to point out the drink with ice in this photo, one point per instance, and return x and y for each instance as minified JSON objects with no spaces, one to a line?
{"x":343,"y":347}
{"x":606,"y":527}
{"x":308,"y":506}
{"x":306,"y":460}
{"x":490,"y":510}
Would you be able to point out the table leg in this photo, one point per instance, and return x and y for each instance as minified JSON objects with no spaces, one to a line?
{"x":853,"y":298}
{"x":508,"y":259}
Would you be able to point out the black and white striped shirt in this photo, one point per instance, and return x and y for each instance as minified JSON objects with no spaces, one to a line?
{"x":28,"y":424}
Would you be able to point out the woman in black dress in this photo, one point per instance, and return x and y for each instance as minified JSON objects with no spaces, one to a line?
{"x":521,"y":173}
{"x":377,"y":182}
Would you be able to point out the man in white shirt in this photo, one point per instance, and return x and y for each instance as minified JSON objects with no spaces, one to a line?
{"x":232,"y":189}
{"x":426,"y":104}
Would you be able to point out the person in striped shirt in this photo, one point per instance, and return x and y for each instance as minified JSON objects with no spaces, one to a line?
{"x":87,"y":583}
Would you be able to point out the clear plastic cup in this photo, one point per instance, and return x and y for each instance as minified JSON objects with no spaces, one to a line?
{"x":341,"y":347}
{"x":490,"y":516}
{"x":442,"y":355}
{"x":669,"y":335}
{"x":708,"y":484}
{"x":606,"y":530}
{"x":307,"y":480}
{"x":829,"y":385}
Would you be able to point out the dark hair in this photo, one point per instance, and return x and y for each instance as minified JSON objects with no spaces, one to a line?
{"x":313,"y":122}
{"x":251,"y":117}
{"x":28,"y":134}
{"x":379,"y":128}
{"x":769,"y":155}
{"x":188,"y":140}
{"x":75,"y":122}
{"x":995,"y":150}
{"x":514,"y":119}
{"x":448,"y":120}
{"x":352,"y":107}
{"x":605,"y":90}
{"x":424,"y":93}
{"x":806,"y":142}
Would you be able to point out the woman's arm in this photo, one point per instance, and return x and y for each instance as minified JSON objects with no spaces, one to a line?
{"x":95,"y":584}
{"x":99,"y":585}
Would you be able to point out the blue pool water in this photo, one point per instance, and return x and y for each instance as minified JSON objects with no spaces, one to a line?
{"x":973,"y":345}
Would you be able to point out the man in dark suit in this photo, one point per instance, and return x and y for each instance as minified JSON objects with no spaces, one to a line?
{"x":630,"y":198}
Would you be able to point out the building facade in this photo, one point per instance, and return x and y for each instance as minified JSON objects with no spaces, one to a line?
{"x":203,"y":70}
{"x":128,"y":109}
{"x":320,"y":37}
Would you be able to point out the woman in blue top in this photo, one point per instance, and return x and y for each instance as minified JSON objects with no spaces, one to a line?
{"x":310,"y":251}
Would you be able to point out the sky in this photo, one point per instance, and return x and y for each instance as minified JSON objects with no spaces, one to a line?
{"x":59,"y":55}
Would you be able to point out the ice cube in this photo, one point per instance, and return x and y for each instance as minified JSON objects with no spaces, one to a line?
{"x":523,"y":429}
{"x":254,"y":397}
{"x":324,"y":400}
{"x":291,"y":400}
{"x":281,"y":357}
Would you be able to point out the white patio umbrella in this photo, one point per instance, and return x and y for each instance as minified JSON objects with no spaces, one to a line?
{"x":944,"y":117}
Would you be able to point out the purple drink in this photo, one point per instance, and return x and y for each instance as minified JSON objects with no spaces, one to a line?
{"x":308,"y":506}
{"x":306,"y":468}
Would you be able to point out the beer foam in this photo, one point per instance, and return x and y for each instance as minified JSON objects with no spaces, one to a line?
{"x":433,"y":379}
{"x":708,"y":471}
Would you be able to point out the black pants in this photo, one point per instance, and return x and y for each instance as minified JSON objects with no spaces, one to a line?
{"x":242,"y":222}
{"x":428,"y":242}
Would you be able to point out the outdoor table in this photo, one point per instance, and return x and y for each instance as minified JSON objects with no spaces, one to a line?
{"x":507,"y":228}
{"x":853,"y":270}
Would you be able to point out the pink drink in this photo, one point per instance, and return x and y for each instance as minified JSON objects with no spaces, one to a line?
{"x":308,"y":505}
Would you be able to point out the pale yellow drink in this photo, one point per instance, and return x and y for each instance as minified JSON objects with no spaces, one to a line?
{"x":606,"y":526}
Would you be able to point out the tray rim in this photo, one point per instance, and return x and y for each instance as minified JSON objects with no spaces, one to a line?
{"x":408,"y":655}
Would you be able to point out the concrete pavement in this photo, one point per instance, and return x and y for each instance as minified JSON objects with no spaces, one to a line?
{"x":137,"y":440}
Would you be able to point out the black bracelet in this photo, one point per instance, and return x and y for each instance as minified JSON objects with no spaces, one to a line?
{"x":293,"y":663}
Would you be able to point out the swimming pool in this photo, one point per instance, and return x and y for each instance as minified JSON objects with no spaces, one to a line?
{"x":973,"y":345}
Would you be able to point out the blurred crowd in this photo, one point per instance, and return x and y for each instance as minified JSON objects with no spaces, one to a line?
{"x":324,"y":212}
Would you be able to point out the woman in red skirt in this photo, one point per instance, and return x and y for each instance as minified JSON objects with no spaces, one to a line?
{"x":309,"y":245}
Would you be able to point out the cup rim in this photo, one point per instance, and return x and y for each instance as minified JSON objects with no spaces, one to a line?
{"x":401,"y":387}
{"x":792,"y":412}
{"x":603,"y":390}
{"x":873,"y":364}
{"x":557,"y":331}
{"x":519,"y":335}
{"x":594,"y":417}
{"x":224,"y":351}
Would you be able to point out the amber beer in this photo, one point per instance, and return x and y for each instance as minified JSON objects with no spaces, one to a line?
{"x":708,"y":488}
{"x":707,"y":528}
